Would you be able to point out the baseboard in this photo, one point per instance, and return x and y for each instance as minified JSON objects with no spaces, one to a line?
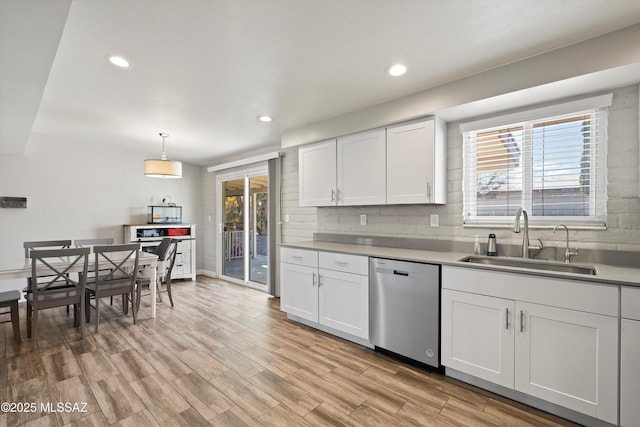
{"x":208,"y":273}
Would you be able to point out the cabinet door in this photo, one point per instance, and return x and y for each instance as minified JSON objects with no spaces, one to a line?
{"x":569,"y":358}
{"x":344,"y":302}
{"x":630,"y":373}
{"x":361,"y":169}
{"x":317,"y":174}
{"x":411,"y":164}
{"x":478,"y":336}
{"x":298,"y":291}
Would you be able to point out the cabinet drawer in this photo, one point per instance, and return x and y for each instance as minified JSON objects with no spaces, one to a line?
{"x":598,"y":298}
{"x":631,"y":303}
{"x":356,"y":264}
{"x":299,"y":256}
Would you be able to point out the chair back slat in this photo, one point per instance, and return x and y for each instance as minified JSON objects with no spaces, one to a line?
{"x":60,"y":244}
{"x":80,"y":243}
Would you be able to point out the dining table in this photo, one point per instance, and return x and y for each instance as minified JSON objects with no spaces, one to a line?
{"x":146,"y":261}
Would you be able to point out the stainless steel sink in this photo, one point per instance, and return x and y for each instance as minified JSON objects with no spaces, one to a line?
{"x":533,"y":264}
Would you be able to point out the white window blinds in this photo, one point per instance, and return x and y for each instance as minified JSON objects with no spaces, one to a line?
{"x":553,"y":166}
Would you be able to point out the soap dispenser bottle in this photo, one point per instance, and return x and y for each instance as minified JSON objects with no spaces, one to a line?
{"x":476,"y":246}
{"x":492,"y":249}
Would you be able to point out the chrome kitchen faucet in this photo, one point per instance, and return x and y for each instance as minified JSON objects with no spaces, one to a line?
{"x":568,"y":253}
{"x":526,"y":247}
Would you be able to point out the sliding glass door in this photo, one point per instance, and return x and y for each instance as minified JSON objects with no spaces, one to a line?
{"x":244,"y":226}
{"x":259,"y":226}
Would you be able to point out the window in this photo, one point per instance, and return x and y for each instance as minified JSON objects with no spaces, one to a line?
{"x":550,"y":161}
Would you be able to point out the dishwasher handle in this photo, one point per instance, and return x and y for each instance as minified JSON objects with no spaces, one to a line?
{"x":401,"y":273}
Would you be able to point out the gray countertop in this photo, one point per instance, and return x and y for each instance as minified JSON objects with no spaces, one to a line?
{"x":604,"y":273}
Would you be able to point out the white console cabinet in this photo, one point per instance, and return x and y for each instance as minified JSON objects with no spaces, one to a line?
{"x":150,"y":236}
{"x":326,"y":288}
{"x":533,"y":335}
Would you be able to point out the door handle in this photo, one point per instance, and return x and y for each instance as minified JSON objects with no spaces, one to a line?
{"x":319,"y":280}
{"x":313,"y":282}
{"x":333,"y":195}
{"x":507,"y":317}
{"x":521,"y":321}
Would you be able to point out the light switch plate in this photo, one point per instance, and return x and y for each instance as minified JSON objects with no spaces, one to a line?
{"x":434,"y":220}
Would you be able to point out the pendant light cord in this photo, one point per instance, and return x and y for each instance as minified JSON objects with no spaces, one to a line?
{"x":163,"y":136}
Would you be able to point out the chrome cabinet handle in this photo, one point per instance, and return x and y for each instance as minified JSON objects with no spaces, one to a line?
{"x":428,"y":191}
{"x":343,"y":263}
{"x":507,"y":317}
{"x":521,"y":321}
{"x":296,"y":257}
{"x":333,"y":195}
{"x":313,"y":283}
{"x":319,"y":279}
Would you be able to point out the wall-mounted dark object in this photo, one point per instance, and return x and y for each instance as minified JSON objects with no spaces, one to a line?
{"x":13,"y":202}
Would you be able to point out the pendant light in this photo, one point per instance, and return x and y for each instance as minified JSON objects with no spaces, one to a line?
{"x":162,"y":168}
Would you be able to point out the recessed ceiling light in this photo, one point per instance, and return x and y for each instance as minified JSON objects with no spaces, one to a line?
{"x":119,"y":61}
{"x":265,"y":119}
{"x":396,"y":70}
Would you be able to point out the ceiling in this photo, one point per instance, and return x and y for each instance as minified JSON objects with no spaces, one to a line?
{"x":203,"y":70}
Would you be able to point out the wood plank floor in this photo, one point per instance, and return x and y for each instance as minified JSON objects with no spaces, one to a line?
{"x":226,"y":356}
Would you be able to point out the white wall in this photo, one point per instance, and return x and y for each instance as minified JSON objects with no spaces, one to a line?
{"x":77,"y":190}
{"x":589,"y":65}
{"x":623,"y":219}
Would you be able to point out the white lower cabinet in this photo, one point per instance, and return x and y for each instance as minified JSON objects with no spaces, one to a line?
{"x":477,"y":336}
{"x":569,"y":358}
{"x":330,"y":289}
{"x":343,"y":302}
{"x":630,"y":358}
{"x":504,"y":328}
{"x":299,"y":295}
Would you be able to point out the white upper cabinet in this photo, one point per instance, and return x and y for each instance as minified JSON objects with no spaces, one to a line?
{"x":402,"y":164}
{"x":317,"y":174}
{"x":416,"y":162}
{"x":361,"y":169}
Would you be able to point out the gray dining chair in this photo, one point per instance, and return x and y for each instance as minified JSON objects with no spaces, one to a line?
{"x":166,"y":252}
{"x":44,"y":244}
{"x":9,"y":299}
{"x":114,"y":273}
{"x":81,"y":243}
{"x":55,"y":286}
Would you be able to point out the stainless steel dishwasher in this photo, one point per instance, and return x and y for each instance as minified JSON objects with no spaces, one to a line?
{"x":405,"y":309}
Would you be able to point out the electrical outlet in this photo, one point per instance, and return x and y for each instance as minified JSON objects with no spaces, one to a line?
{"x":363,"y":219}
{"x":286,"y":218}
{"x":434,"y":220}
